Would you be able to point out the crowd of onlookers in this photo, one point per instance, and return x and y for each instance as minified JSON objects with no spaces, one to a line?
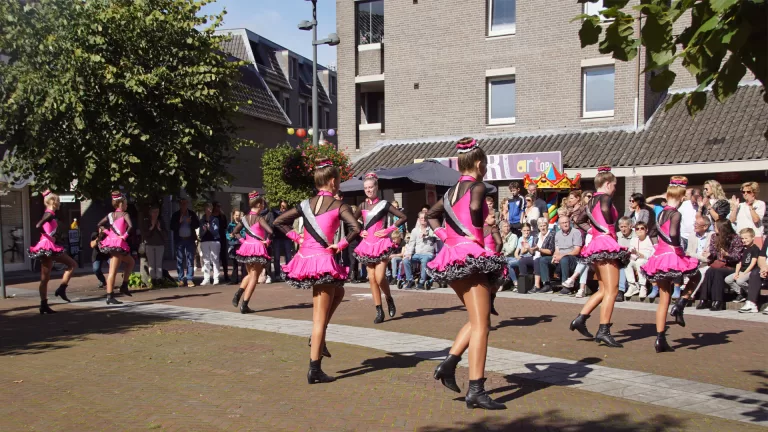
{"x":724,"y":234}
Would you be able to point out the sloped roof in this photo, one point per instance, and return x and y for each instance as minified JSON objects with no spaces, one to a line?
{"x":730,"y":131}
{"x":262,"y":104}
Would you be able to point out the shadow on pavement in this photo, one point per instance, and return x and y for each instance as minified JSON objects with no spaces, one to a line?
{"x":427,"y":312}
{"x":758,"y":407}
{"x":528,"y":321}
{"x":392,"y":361}
{"x":32,"y":333}
{"x":702,"y":340}
{"x":180,"y":296}
{"x":554,"y":420}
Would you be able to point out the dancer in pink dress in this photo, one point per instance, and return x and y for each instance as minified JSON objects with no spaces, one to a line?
{"x":469,"y":268}
{"x":669,"y":263}
{"x":253,"y":249}
{"x":48,"y":252}
{"x":493,"y":242}
{"x":606,"y":255}
{"x":314,"y":265}
{"x":118,"y":224}
{"x":376,"y":246}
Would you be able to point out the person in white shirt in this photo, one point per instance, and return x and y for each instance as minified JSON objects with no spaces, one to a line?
{"x":641,"y":248}
{"x":688,"y":211}
{"x":748,"y":214}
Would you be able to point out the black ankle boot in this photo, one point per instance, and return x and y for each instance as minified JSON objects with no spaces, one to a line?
{"x":325,"y":352}
{"x":61,"y":291}
{"x":391,"y":307}
{"x":677,"y":311}
{"x":493,"y":305}
{"x":446,"y":372}
{"x":604,"y":335}
{"x":124,"y":289}
{"x":236,"y":298}
{"x":244,"y":309}
{"x":112,"y":300}
{"x":478,"y":398}
{"x":316,"y":374}
{"x":661,"y":344}
{"x":379,"y":315}
{"x":580,"y":324}
{"x":45,"y":309}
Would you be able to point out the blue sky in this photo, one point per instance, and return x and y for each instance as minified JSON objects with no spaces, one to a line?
{"x":277,"y":21}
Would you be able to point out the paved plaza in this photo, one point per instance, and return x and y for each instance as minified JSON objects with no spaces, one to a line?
{"x":184,"y":359}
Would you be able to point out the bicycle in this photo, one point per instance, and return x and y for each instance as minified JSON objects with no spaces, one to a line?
{"x":16,"y":235}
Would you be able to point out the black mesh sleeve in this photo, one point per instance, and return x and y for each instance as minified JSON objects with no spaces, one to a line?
{"x":435,"y":215}
{"x":477,"y":203}
{"x":352,"y":225}
{"x":674,"y":228}
{"x":284,"y":222}
{"x":497,"y":238}
{"x":46,"y":217}
{"x":265,"y":226}
{"x":606,"y":207}
{"x":401,"y":217}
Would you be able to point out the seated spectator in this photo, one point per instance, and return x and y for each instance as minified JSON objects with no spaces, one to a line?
{"x":739,"y":280}
{"x":97,"y":257}
{"x":725,"y":251}
{"x":640,"y":248}
{"x":508,"y":248}
{"x":568,"y":244}
{"x":504,"y":213}
{"x":624,"y":237}
{"x":757,"y":278}
{"x":421,"y":248}
{"x":524,"y":251}
{"x":544,"y":247}
{"x":748,"y":214}
{"x":396,"y":257}
{"x":531,"y":214}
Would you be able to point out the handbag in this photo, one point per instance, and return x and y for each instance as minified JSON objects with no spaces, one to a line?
{"x":718,"y":264}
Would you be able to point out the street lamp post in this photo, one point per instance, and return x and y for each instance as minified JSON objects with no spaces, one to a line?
{"x":331,"y":40}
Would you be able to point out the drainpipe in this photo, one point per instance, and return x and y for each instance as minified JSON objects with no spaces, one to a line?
{"x":637,"y":90}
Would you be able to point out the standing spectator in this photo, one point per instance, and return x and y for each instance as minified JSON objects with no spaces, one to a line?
{"x":234,"y":244}
{"x":397,"y":254}
{"x":491,"y":207}
{"x":698,"y":247}
{"x":282,"y":245}
{"x":748,"y":214}
{"x":756,"y":280}
{"x":504,"y":212}
{"x":224,"y":245}
{"x":725,"y":251}
{"x":531,"y":213}
{"x":154,"y":236}
{"x":544,"y":247}
{"x":98,"y":257}
{"x":509,"y":246}
{"x":714,"y":204}
{"x":515,"y":208}
{"x":739,"y":280}
{"x":183,"y":224}
{"x":624,"y":237}
{"x":394,"y":218}
{"x":637,"y":211}
{"x":420,"y":248}
{"x":568,"y":244}
{"x":538,"y":201}
{"x":640,"y":249}
{"x":688,"y":209}
{"x":577,"y":212}
{"x":210,"y":245}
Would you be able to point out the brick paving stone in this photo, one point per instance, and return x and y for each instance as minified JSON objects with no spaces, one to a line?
{"x":92,"y":369}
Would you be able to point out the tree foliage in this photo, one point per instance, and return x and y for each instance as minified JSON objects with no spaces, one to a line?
{"x":724,"y":40}
{"x":287,"y":171}
{"x":106,"y":94}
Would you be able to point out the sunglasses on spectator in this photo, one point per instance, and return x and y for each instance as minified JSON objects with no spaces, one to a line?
{"x":639,"y":229}
{"x":744,"y":191}
{"x":631,"y":200}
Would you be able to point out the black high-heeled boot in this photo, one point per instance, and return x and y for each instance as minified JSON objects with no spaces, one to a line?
{"x":580,"y":324}
{"x":379,"y":315}
{"x":325,"y":352}
{"x":391,"y":308}
{"x":124,"y":289}
{"x":45,"y":309}
{"x":478,"y":398}
{"x":112,"y":300}
{"x":677,"y":311}
{"x":316,"y":374}
{"x":446,"y":372}
{"x":493,"y":305}
{"x":244,"y":309}
{"x":604,"y":336}
{"x":661,"y":344}
{"x":61,"y":291}
{"x":236,"y":298}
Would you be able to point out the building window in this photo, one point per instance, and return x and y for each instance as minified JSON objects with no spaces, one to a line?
{"x":287,"y":106}
{"x":598,"y":91}
{"x":501,"y":17}
{"x":328,"y":120}
{"x":501,"y":100}
{"x":332,"y":84}
{"x":595,"y":8}
{"x":293,"y":70}
{"x":370,"y":22}
{"x":303,"y":114}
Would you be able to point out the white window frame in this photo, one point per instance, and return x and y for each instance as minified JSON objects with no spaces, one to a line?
{"x":505,"y":120}
{"x":596,"y":114}
{"x":601,"y":7}
{"x":492,"y":32}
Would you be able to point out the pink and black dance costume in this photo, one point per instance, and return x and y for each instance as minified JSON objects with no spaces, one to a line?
{"x":493,"y":242}
{"x":373,"y":250}
{"x":115,"y":240}
{"x":46,"y":247}
{"x":314,"y":264}
{"x":602,"y":220}
{"x":252,"y":248}
{"x":461,"y":257}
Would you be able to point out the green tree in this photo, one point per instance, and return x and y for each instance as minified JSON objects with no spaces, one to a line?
{"x":287,"y":170}
{"x":104,"y":94}
{"x":724,"y":40}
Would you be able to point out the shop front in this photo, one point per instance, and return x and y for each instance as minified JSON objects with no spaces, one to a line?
{"x":15,"y":227}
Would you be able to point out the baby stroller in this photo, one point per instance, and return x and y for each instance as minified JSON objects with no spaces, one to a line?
{"x":416,"y":267}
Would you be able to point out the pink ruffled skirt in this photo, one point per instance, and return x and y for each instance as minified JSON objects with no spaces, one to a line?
{"x":603,"y":247}
{"x":114,"y":244}
{"x":252,"y":252}
{"x":45,"y":249}
{"x":373,"y":250}
{"x":669,"y":263}
{"x":460,"y":258}
{"x":315,"y":266}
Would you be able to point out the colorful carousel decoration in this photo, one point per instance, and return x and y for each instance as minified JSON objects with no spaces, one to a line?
{"x":554,"y":187}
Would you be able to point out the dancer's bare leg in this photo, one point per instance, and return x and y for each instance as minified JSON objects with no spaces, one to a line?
{"x":373,"y":281}
{"x":322,"y":301}
{"x":476,"y":296}
{"x":70,"y":263}
{"x":665,"y":294}
{"x":381,"y":279}
{"x":609,"y":275}
{"x":596,"y":298}
{"x":46,"y":265}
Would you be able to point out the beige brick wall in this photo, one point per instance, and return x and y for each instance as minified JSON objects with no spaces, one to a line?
{"x":370,"y":62}
{"x":448,"y":58}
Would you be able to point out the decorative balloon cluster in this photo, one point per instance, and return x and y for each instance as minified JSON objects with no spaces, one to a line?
{"x":301,"y":133}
